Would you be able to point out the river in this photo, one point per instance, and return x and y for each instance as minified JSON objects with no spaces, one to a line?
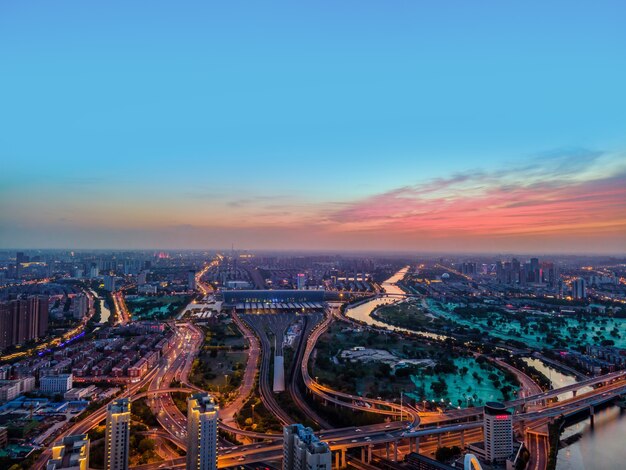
{"x":362,"y":312}
{"x":105,"y":313}
{"x":603,"y":447}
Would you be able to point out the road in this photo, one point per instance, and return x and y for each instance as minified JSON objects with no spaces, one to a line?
{"x":249,"y":377}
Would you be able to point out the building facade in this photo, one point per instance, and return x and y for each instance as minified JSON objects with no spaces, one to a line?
{"x":498,"y":431}
{"x":72,"y":453}
{"x":56,"y":384}
{"x":23,"y":320}
{"x":117,"y":435}
{"x":302,"y":450}
{"x":202,"y":413}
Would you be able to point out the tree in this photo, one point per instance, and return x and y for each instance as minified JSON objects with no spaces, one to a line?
{"x":145,"y":445}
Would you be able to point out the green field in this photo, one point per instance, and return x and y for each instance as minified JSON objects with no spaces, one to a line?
{"x":145,"y":308}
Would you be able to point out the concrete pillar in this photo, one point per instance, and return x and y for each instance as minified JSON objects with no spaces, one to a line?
{"x":462,"y":439}
{"x":343,"y":458}
{"x":591,"y":415}
{"x":337,"y":463}
{"x":410,"y":445}
{"x":574,"y":392}
{"x":439,"y":440}
{"x":387,"y":449}
{"x":395,"y":451}
{"x":363,"y":455}
{"x":417,"y":445}
{"x":369,"y":454}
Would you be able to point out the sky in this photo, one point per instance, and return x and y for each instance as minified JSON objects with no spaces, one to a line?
{"x":422,"y":125}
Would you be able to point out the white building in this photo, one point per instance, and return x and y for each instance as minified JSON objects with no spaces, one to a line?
{"x":11,"y":389}
{"x":72,"y":453}
{"x":302,"y":450}
{"x":498,"y":430}
{"x":117,"y":435}
{"x":202,"y":413}
{"x":53,"y":384}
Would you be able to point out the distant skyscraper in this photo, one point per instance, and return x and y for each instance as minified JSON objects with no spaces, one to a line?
{"x":72,"y":453}
{"x":109,"y":283}
{"x":191,"y":280}
{"x":534,"y":270}
{"x":201,"y":432}
{"x":579,"y":288}
{"x":117,"y":435}
{"x":301,"y":281}
{"x":498,"y":431}
{"x":302,"y":450}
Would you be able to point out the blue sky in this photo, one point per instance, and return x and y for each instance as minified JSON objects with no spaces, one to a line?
{"x":116,"y":114}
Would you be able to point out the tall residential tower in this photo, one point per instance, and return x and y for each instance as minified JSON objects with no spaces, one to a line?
{"x":201,"y":432}
{"x":117,"y":435}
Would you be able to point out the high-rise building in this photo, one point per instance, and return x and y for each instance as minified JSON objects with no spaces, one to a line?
{"x":109,"y":283}
{"x":23,"y":320}
{"x":302,"y":450}
{"x":579,"y":288}
{"x":191,"y":280}
{"x":117,"y":435}
{"x":80,"y":306}
{"x":301,"y":281}
{"x":202,"y":413}
{"x":498,"y":431}
{"x":72,"y":453}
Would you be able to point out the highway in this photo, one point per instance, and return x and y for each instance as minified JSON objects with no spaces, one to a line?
{"x":249,"y":377}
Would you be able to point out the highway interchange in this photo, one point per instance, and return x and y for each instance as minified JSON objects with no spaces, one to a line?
{"x":400,"y":434}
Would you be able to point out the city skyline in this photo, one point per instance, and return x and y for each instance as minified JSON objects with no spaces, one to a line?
{"x":418,"y":128}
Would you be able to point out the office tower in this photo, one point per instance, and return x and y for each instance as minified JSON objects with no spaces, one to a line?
{"x":117,"y":435}
{"x":191,"y":280}
{"x":23,"y":320}
{"x":302,"y":450}
{"x":579,"y":288}
{"x":301,"y":281}
{"x":202,"y":413}
{"x":55,"y":384}
{"x":498,"y":430}
{"x":534,"y":270}
{"x":72,"y":453}
{"x":109,"y":283}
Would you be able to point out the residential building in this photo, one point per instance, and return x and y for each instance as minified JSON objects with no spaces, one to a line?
{"x":191,"y":280}
{"x":579,"y":289}
{"x":117,"y":435}
{"x":302,"y":449}
{"x":109,"y":283}
{"x":72,"y":453}
{"x":23,"y":320}
{"x":202,"y":413}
